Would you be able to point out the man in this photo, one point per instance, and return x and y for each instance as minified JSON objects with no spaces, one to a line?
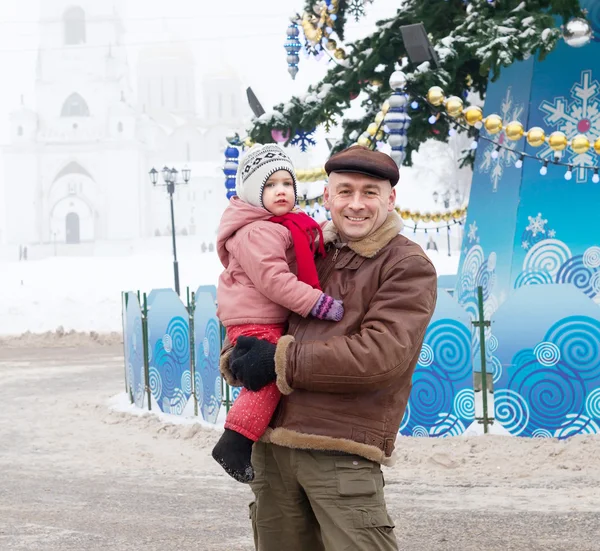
{"x":318,"y":482}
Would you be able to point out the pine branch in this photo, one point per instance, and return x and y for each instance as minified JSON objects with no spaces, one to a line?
{"x":473,"y":43}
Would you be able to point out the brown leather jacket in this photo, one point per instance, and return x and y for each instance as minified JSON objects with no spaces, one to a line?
{"x":346,"y":384}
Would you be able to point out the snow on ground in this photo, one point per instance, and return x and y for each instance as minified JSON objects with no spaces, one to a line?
{"x":84,"y":293}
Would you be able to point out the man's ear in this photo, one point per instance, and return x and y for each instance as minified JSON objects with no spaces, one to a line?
{"x":326,"y":197}
{"x":392,"y":200}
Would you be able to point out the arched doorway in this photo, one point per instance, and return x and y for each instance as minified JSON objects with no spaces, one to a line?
{"x":72,"y":228}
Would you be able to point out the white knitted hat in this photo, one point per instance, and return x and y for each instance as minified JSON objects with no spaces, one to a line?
{"x":255,"y":168}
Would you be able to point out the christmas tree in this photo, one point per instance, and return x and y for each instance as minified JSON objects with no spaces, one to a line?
{"x":472,"y":40}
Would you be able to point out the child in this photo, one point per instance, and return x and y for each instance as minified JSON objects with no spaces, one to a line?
{"x":260,"y":240}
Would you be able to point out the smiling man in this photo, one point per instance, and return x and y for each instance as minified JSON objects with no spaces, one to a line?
{"x":318,"y":482}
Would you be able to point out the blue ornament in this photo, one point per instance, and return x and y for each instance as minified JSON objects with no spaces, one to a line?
{"x":292,"y":47}
{"x":230,"y":168}
{"x":304,"y":139}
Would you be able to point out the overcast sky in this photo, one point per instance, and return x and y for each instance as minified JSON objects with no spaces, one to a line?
{"x":248,"y":42}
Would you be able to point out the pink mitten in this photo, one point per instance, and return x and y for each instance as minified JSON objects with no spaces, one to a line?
{"x":328,"y":308}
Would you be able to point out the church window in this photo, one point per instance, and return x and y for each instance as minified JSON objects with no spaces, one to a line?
{"x":75,"y":106}
{"x":74,"y":26}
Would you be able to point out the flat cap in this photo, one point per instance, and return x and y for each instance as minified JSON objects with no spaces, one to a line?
{"x":363,"y":160}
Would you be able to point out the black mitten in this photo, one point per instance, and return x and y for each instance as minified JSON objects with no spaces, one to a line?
{"x":252,"y":362}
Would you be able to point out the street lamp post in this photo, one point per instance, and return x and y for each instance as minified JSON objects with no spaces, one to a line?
{"x":169,"y":176}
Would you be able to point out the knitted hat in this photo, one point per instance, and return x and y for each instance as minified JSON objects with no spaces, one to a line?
{"x":255,"y":168}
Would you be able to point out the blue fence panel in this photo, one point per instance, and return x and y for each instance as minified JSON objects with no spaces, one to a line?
{"x":208,"y":347}
{"x":442,"y":401}
{"x":134,"y":348}
{"x":548,"y":352}
{"x":169,"y":351}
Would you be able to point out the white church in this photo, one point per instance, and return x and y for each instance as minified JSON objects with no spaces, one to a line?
{"x":83,"y":151}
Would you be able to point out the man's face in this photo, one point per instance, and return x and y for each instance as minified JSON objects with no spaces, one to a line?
{"x":359,"y":204}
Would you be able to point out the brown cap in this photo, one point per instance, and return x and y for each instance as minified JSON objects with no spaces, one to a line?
{"x":363,"y":160}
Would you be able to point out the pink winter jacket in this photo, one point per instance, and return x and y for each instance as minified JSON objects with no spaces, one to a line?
{"x":259,"y":284}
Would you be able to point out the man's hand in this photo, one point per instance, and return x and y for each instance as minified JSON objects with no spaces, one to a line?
{"x":252,"y":362}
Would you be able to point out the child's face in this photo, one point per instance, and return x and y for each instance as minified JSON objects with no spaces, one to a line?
{"x":278,"y":193}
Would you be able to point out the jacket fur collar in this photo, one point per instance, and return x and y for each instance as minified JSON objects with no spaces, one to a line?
{"x":369,"y":246}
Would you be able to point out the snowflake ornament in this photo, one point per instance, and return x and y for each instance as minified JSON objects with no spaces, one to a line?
{"x":578,"y":115}
{"x":506,"y":156}
{"x":356,"y":8}
{"x":473,"y":231}
{"x":304,"y":140}
{"x":537,"y":224}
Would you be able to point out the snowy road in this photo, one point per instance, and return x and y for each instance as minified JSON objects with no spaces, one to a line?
{"x":74,"y":476}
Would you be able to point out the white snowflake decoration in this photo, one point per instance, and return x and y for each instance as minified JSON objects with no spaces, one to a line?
{"x":473,"y":231}
{"x":552,"y":234}
{"x":525,"y":245}
{"x":507,"y":156}
{"x":581,"y":116}
{"x":537,"y":224}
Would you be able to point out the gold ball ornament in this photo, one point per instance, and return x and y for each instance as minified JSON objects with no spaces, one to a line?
{"x":457,"y":214}
{"x":379,"y":117}
{"x":331,"y":45}
{"x":436,"y":217}
{"x":514,"y":131}
{"x":248,"y":142}
{"x":558,"y":141}
{"x":415,"y":216}
{"x":300,"y":174}
{"x":493,"y":124}
{"x":435,"y":96}
{"x":454,"y":106}
{"x":447,"y":216}
{"x":580,"y":144}
{"x":426,"y":217}
{"x":339,"y":53}
{"x":385,"y":107}
{"x":364,"y":141}
{"x":380,"y":135}
{"x":536,"y":136}
{"x":372,"y":129}
{"x":405,"y":214}
{"x":473,"y":115}
{"x":597,"y":146}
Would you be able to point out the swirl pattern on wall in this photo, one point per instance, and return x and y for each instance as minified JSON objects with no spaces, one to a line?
{"x":548,"y":255}
{"x":578,"y":338}
{"x":449,"y":425}
{"x":464,"y":403}
{"x":420,"y":432}
{"x":485,"y":279}
{"x":551,"y":393}
{"x":169,"y":369}
{"x":575,"y":272}
{"x":592,"y":404}
{"x":426,"y":356}
{"x":431,"y":394}
{"x":533,"y":277}
{"x":512,"y":410}
{"x":179,"y":332}
{"x":591,"y":257}
{"x":547,"y":353}
{"x":450,"y":342}
{"x":575,"y":425}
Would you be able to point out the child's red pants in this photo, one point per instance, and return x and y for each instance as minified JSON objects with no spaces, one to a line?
{"x":251,"y":412}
